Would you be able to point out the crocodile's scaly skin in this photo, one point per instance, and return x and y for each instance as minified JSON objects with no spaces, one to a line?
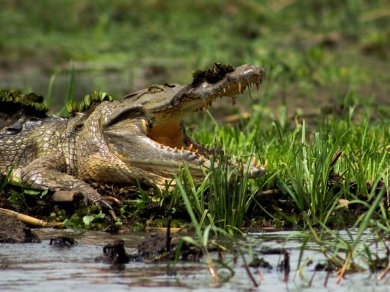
{"x":42,"y":156}
{"x":138,"y":138}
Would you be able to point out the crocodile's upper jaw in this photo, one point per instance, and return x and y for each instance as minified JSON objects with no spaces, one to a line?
{"x":177,"y":100}
{"x":151,"y":137}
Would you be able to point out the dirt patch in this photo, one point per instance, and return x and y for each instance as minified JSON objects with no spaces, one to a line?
{"x":14,"y":231}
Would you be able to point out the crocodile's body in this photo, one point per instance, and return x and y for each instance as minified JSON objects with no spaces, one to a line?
{"x":138,"y":138}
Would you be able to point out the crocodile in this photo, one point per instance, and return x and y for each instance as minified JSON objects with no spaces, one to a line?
{"x":138,"y":138}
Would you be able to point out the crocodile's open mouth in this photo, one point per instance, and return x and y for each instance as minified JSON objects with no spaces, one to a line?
{"x":166,"y":130}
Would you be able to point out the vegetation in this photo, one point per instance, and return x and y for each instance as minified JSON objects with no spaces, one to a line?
{"x":321,"y":119}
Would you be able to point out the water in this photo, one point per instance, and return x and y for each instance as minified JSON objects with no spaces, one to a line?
{"x":42,"y":267}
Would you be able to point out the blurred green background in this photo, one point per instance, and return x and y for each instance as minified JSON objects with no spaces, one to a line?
{"x":319,"y":54}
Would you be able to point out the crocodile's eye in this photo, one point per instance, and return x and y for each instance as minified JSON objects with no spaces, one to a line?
{"x":155,"y":89}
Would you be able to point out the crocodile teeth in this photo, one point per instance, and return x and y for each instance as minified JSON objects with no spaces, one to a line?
{"x":257,"y":85}
{"x":239,"y":87}
{"x":190,"y":147}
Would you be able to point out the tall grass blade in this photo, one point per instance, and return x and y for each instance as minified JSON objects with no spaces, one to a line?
{"x":49,"y":95}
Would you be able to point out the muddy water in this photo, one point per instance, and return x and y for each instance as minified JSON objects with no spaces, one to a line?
{"x":41,"y":267}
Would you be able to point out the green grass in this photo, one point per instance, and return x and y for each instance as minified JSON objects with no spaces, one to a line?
{"x":222,"y":200}
{"x":361,"y":248}
{"x":302,"y":162}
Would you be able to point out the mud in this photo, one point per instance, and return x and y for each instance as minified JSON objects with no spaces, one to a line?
{"x":14,"y":231}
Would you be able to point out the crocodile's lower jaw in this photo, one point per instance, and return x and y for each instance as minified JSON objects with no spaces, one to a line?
{"x":171,"y":141}
{"x":196,"y":158}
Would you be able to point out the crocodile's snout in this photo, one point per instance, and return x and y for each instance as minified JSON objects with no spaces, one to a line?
{"x":217,"y":82}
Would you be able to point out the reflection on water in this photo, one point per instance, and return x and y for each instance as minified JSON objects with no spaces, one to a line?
{"x":41,"y":267}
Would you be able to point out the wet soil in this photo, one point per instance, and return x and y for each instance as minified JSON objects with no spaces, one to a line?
{"x":14,"y":231}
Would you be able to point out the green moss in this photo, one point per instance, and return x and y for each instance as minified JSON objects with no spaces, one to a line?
{"x":89,"y":101}
{"x":212,"y":74}
{"x":15,"y":99}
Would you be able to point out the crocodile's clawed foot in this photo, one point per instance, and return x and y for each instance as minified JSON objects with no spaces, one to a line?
{"x":112,"y":200}
{"x":112,"y":214}
{"x":103,"y":203}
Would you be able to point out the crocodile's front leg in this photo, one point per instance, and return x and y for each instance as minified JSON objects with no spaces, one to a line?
{"x":48,"y":173}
